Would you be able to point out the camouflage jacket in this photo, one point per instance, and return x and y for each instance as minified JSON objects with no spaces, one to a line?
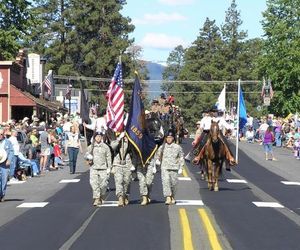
{"x":101,"y":154}
{"x":172,"y":156}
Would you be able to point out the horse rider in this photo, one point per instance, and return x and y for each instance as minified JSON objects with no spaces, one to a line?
{"x":205,"y":124}
{"x":162,"y":100}
{"x":223,"y":125}
{"x":155,"y":107}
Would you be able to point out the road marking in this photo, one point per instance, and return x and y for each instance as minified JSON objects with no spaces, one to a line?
{"x":33,"y":204}
{"x":186,"y":231}
{"x":78,"y":233}
{"x":212,"y":235}
{"x":290,"y":183}
{"x":189,"y":203}
{"x":184,"y":172}
{"x":15,"y":182}
{"x":236,"y":181}
{"x":70,"y":181}
{"x":267,"y":204}
{"x":184,"y":179}
{"x":109,"y":204}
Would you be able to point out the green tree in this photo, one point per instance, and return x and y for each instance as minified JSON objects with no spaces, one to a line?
{"x":281,"y":58}
{"x":233,"y":49}
{"x":48,"y":37}
{"x":99,"y":35}
{"x":15,"y":20}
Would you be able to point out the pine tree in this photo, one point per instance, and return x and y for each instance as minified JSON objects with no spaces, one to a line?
{"x":233,"y":38}
{"x":15,"y":20}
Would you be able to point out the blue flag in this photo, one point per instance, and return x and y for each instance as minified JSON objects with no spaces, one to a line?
{"x":243,"y":112}
{"x":136,"y":130}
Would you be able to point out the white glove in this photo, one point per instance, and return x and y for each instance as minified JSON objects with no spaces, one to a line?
{"x":179,"y":171}
{"x":121,"y":135}
{"x":108,"y":171}
{"x":154,"y":170}
{"x":88,"y":157}
{"x":132,"y":168}
{"x":157,"y":162}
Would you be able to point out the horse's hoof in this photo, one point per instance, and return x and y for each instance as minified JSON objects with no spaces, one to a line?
{"x":216,"y":189}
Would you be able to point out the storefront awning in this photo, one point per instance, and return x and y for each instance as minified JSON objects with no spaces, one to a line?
{"x":23,"y":98}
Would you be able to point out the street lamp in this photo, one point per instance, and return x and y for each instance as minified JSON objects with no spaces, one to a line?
{"x":69,"y":94}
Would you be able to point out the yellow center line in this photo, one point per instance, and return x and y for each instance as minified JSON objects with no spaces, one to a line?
{"x":212,"y":235}
{"x":186,"y":231}
{"x":184,"y":172}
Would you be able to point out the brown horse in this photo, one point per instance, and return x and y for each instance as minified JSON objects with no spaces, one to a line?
{"x":214,"y":156}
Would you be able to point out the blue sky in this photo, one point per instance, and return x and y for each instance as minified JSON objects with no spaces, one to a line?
{"x":161,"y":25}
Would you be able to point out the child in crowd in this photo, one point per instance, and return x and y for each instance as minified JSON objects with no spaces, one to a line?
{"x":57,"y":155}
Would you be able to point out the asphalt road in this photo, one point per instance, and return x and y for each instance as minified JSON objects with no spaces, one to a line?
{"x":227,"y":219}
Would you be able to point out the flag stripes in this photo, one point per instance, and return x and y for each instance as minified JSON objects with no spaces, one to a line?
{"x":115,"y":104}
{"x":48,"y":82}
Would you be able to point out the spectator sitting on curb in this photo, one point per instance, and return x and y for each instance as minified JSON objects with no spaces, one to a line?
{"x":250,"y":135}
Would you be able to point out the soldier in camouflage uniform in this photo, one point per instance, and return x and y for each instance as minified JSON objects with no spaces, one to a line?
{"x":170,"y":157}
{"x":145,"y":175}
{"x":122,"y":166}
{"x":99,"y":158}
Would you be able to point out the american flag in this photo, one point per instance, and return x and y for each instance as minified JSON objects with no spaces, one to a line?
{"x":48,"y":82}
{"x":115,"y":101}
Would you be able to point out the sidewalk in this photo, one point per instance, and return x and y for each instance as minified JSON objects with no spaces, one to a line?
{"x":287,"y":165}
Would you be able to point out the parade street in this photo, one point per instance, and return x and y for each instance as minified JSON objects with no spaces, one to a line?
{"x":257,"y":207}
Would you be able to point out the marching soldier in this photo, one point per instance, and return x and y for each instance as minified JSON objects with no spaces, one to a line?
{"x":122,"y":166}
{"x":145,"y":175}
{"x":170,"y":158}
{"x":99,"y":159}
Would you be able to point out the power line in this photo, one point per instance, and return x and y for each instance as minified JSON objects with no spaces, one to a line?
{"x":170,"y":92}
{"x":96,"y":79}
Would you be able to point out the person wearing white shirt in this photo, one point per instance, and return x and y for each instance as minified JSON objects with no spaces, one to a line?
{"x":98,"y":124}
{"x":16,"y":147}
{"x":262,"y":129}
{"x":250,"y":135}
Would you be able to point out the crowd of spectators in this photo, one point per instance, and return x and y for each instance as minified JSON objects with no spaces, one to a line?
{"x":286,"y":131}
{"x":39,"y":147}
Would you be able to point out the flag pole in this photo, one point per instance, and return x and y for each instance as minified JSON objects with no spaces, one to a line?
{"x":238,"y":123}
{"x":84,"y":127}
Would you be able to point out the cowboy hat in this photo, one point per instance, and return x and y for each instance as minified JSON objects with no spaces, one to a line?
{"x":25,"y":119}
{"x":3,"y":155}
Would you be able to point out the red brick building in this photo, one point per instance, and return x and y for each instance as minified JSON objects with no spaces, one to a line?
{"x":17,"y":98}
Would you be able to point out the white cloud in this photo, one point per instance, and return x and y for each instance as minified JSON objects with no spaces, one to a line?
{"x":159,"y":18}
{"x":176,"y":2}
{"x":161,"y":41}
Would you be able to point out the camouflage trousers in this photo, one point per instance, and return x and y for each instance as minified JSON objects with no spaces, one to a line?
{"x":145,"y":176}
{"x":98,"y":181}
{"x":122,"y":180}
{"x":169,"y":181}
